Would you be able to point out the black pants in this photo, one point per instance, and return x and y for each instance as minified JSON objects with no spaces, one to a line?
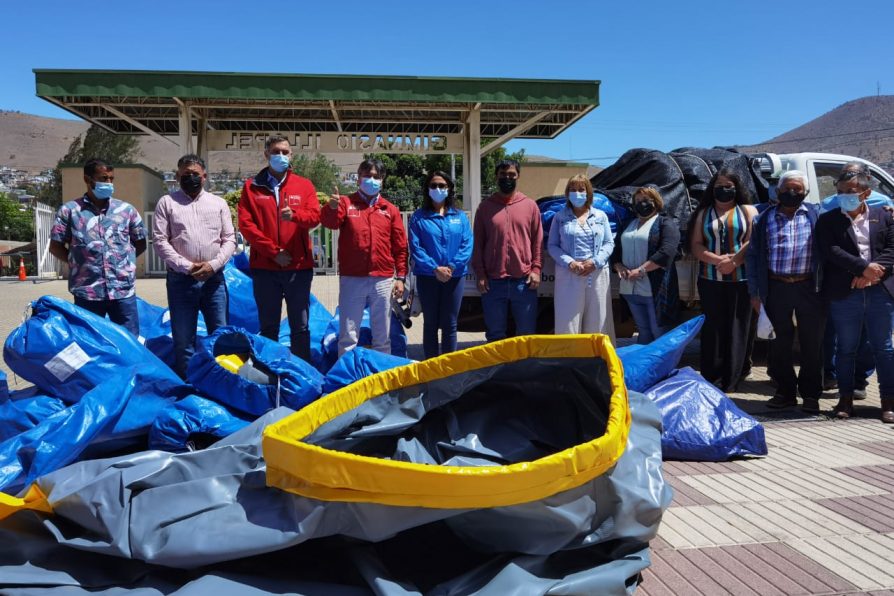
{"x":798,"y":299}
{"x":726,"y":335}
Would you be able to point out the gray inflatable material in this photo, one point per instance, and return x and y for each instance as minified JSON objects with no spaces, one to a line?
{"x":205,"y":522}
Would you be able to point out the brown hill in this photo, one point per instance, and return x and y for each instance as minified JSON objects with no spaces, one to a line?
{"x":35,"y":143}
{"x":862,"y":127}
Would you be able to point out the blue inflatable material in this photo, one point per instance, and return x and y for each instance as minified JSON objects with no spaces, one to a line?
{"x":318,"y":320}
{"x":67,"y":351}
{"x":240,"y":261}
{"x":701,"y":423}
{"x":176,"y":424}
{"x":295,"y":383}
{"x":645,"y":365}
{"x":4,"y":387}
{"x":618,"y":215}
{"x":243,"y":312}
{"x":25,"y":409}
{"x":356,"y":364}
{"x":59,"y":439}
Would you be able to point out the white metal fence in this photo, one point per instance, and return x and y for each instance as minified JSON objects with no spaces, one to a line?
{"x":47,"y":264}
{"x":154,"y":265}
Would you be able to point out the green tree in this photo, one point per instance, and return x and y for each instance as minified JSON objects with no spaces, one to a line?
{"x":406,"y":173}
{"x":96,"y":142}
{"x":15,"y":223}
{"x":319,"y":169}
{"x":232,"y":199}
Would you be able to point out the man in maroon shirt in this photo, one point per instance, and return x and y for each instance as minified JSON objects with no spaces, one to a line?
{"x":507,"y":255}
{"x":372,"y":248}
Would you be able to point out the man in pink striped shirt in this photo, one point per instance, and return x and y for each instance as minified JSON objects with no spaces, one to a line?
{"x":193,"y":234}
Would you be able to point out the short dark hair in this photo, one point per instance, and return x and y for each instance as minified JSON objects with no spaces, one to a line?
{"x":451,"y":191}
{"x":93,"y":164}
{"x":273,"y":140}
{"x":505,"y":164}
{"x":189,"y":159}
{"x":368,"y":164}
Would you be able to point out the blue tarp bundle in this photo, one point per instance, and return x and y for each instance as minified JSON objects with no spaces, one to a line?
{"x":701,"y":423}
{"x":59,"y":439}
{"x":618,"y":215}
{"x":646,"y":364}
{"x":243,"y":312}
{"x":294,"y":383}
{"x":176,"y":424}
{"x":25,"y":409}
{"x":67,"y":352}
{"x":356,"y":364}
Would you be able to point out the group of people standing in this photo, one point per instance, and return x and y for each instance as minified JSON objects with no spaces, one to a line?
{"x":794,"y":262}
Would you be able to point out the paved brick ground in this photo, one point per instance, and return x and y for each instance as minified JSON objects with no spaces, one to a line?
{"x":813,"y":517}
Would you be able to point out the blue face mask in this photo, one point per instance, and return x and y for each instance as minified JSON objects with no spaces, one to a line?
{"x":370,"y":186}
{"x":849,"y":202}
{"x":279,"y":163}
{"x":577,"y":199}
{"x":103,"y":190}
{"x":438,"y":195}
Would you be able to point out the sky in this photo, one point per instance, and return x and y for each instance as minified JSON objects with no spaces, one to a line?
{"x":674,"y":74}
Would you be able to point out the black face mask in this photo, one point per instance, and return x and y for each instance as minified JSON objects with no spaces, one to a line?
{"x":191,"y":183}
{"x":790,"y":199}
{"x":507,"y":185}
{"x":724,"y":195}
{"x":644,"y":208}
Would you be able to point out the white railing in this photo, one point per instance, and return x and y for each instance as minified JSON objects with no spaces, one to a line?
{"x":154,"y":265}
{"x":47,"y":264}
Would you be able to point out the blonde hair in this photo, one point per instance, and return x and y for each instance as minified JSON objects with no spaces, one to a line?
{"x":652,"y":193}
{"x":586,"y":182}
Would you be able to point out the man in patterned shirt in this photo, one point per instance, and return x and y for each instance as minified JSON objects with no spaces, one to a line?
{"x":782,"y":261}
{"x":193,"y":234}
{"x":100,"y":237}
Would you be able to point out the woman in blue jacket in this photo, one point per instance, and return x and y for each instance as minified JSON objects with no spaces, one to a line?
{"x":440,"y":247}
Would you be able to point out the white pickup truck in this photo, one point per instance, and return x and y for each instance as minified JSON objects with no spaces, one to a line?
{"x":822,"y":170}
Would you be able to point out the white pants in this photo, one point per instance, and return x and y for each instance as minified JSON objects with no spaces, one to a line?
{"x":355,"y":294}
{"x":584,"y":303}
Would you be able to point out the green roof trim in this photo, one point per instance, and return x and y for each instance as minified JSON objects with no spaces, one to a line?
{"x":301,"y":87}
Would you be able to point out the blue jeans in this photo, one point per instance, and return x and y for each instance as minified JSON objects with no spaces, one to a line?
{"x":505,"y":294}
{"x":873,"y":308}
{"x":865,"y":363}
{"x":440,"y":307}
{"x":643,"y":310}
{"x":270,"y":289}
{"x":122,"y":311}
{"x":186,"y":297}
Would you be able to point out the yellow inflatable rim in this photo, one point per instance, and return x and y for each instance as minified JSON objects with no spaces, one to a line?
{"x":34,"y":500}
{"x":319,"y":473}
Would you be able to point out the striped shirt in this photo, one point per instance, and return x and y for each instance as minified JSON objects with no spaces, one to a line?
{"x":790,"y":241}
{"x":188,"y":231}
{"x":724,"y":235}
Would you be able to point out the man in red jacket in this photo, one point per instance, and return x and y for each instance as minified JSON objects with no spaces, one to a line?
{"x":372,"y":248}
{"x":277,"y":210}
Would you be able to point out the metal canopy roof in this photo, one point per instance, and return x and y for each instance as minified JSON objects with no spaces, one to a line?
{"x":147,"y":102}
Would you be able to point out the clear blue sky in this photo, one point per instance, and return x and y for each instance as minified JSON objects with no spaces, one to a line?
{"x":685,"y":73}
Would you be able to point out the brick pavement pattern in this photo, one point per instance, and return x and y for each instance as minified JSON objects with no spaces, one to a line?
{"x":813,"y":517}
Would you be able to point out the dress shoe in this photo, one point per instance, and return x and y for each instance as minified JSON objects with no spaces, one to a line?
{"x":811,"y":406}
{"x":888,"y":411}
{"x":830,"y":383}
{"x":859,"y":394}
{"x":844,"y":409}
{"x":781,"y":401}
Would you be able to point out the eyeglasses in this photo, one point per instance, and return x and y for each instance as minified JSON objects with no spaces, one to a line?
{"x":435,"y":185}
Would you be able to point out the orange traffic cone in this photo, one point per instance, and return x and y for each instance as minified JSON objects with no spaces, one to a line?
{"x":22,"y":275}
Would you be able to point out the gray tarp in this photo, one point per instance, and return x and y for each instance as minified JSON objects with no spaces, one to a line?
{"x":205,"y":522}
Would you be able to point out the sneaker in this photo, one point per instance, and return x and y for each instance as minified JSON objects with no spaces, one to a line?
{"x":781,"y":401}
{"x":859,"y":394}
{"x":830,"y":383}
{"x":810,"y":406}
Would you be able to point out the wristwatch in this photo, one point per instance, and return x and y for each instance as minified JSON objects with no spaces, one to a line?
{"x":401,"y":279}
{"x":642,"y":270}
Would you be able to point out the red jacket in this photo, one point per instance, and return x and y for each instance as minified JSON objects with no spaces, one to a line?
{"x":267,"y":233}
{"x":371,"y":241}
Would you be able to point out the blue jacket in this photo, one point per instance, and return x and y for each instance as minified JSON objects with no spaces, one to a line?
{"x":564,"y":228}
{"x":437,"y":240}
{"x":757,"y":257}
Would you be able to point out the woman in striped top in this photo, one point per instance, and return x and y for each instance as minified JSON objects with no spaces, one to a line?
{"x":720,"y":229}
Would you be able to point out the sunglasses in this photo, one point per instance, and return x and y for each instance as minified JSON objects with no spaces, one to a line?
{"x":435,"y":185}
